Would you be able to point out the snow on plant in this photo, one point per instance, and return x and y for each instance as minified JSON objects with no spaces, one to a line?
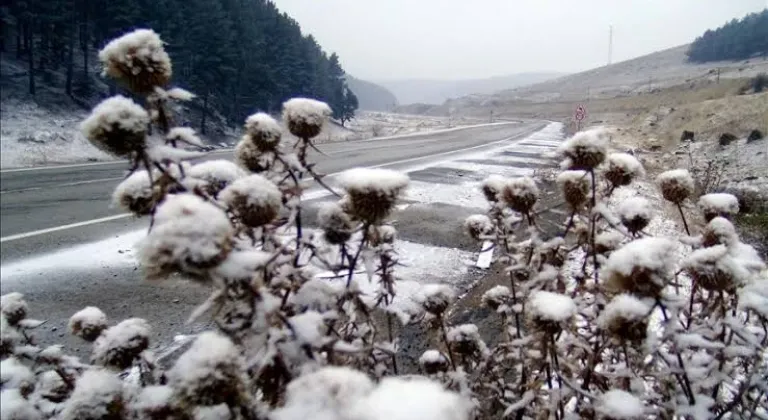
{"x":596,"y":317}
{"x":184,"y":135}
{"x":138,"y":60}
{"x":718,"y":204}
{"x":118,"y":126}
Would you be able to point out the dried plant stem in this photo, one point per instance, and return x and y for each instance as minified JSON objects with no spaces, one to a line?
{"x":682,"y":216}
{"x":444,"y":333}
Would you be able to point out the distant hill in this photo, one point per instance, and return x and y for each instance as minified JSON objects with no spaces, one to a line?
{"x":370,"y":96}
{"x":736,"y":40}
{"x":438,"y":91}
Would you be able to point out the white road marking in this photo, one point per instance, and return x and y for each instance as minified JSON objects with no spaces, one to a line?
{"x":309,"y":195}
{"x":63,"y":227}
{"x":67,"y":184}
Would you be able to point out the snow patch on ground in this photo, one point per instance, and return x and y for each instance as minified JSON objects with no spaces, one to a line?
{"x":32,"y":136}
{"x":466,"y":194}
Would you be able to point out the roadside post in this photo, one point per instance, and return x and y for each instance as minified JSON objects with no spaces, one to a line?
{"x":579,"y":115}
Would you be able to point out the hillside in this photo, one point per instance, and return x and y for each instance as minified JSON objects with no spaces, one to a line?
{"x":625,"y":79}
{"x":438,"y":91}
{"x":370,"y":96}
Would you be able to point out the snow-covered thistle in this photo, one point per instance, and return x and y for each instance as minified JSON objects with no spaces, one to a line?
{"x":623,"y":168}
{"x":584,"y":151}
{"x":520,"y":194}
{"x":216,"y":174}
{"x":337,"y":225}
{"x":255,"y":199}
{"x":304,"y":117}
{"x":263,"y":131}
{"x":372,"y":193}
{"x":119,"y":346}
{"x":478,"y":226}
{"x":88,"y":323}
{"x":138,"y":60}
{"x":13,"y":307}
{"x":190,"y":235}
{"x":575,"y":186}
{"x":642,"y":267}
{"x":635,"y":214}
{"x":718,"y":204}
{"x":118,"y":126}
{"x":676,"y":185}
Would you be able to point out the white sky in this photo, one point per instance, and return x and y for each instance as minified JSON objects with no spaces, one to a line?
{"x":462,"y":39}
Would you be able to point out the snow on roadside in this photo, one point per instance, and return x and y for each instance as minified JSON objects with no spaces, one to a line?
{"x":32,"y":136}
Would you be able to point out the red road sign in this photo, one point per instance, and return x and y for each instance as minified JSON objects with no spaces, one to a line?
{"x":580,"y":113}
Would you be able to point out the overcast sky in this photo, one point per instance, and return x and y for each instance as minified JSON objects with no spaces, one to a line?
{"x":461,"y":39}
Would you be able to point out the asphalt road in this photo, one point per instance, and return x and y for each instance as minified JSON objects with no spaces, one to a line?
{"x":51,"y":217}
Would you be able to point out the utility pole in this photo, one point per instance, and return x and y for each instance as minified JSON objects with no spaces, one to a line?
{"x":610,"y":44}
{"x":491,"y":120}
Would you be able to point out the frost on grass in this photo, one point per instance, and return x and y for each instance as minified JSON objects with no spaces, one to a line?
{"x":118,"y":126}
{"x":641,"y":267}
{"x":13,"y":307}
{"x":305,"y":117}
{"x":635,"y":213}
{"x":585,"y":150}
{"x":210,"y":372}
{"x":118,"y":346}
{"x":184,"y":135}
{"x":254,"y":198}
{"x":327,"y":394}
{"x":623,"y":168}
{"x":618,"y":404}
{"x":372,"y":193}
{"x":217,"y":174}
{"x":135,"y":194}
{"x":98,"y":394}
{"x":676,"y":185}
{"x":411,"y":399}
{"x":548,"y":306}
{"x":88,"y":323}
{"x":138,"y":60}
{"x":718,"y":204}
{"x":190,"y":235}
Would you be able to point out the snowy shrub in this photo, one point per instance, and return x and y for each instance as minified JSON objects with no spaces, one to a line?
{"x":596,"y":317}
{"x":718,"y":204}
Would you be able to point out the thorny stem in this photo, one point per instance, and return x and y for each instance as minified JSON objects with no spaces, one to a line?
{"x":687,"y":387}
{"x":682,"y":216}
{"x":353,"y":262}
{"x":447,"y":344}
{"x":594,"y":226}
{"x":555,"y":360}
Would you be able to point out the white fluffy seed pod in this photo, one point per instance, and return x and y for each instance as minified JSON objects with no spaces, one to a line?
{"x":304,"y":117}
{"x":88,"y":323}
{"x":478,"y":226}
{"x":575,"y":187}
{"x":255,"y":199}
{"x":520,"y":194}
{"x":263,"y":131}
{"x":118,"y":126}
{"x":676,"y":185}
{"x":190,"y":235}
{"x":718,"y":205}
{"x":372,"y":193}
{"x":118,"y":346}
{"x":547,"y":311}
{"x":138,"y":60}
{"x":635,"y":214}
{"x":585,"y":150}
{"x":623,"y":168}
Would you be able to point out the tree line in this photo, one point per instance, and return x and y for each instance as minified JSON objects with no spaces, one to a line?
{"x":238,"y":56}
{"x":736,"y":40}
